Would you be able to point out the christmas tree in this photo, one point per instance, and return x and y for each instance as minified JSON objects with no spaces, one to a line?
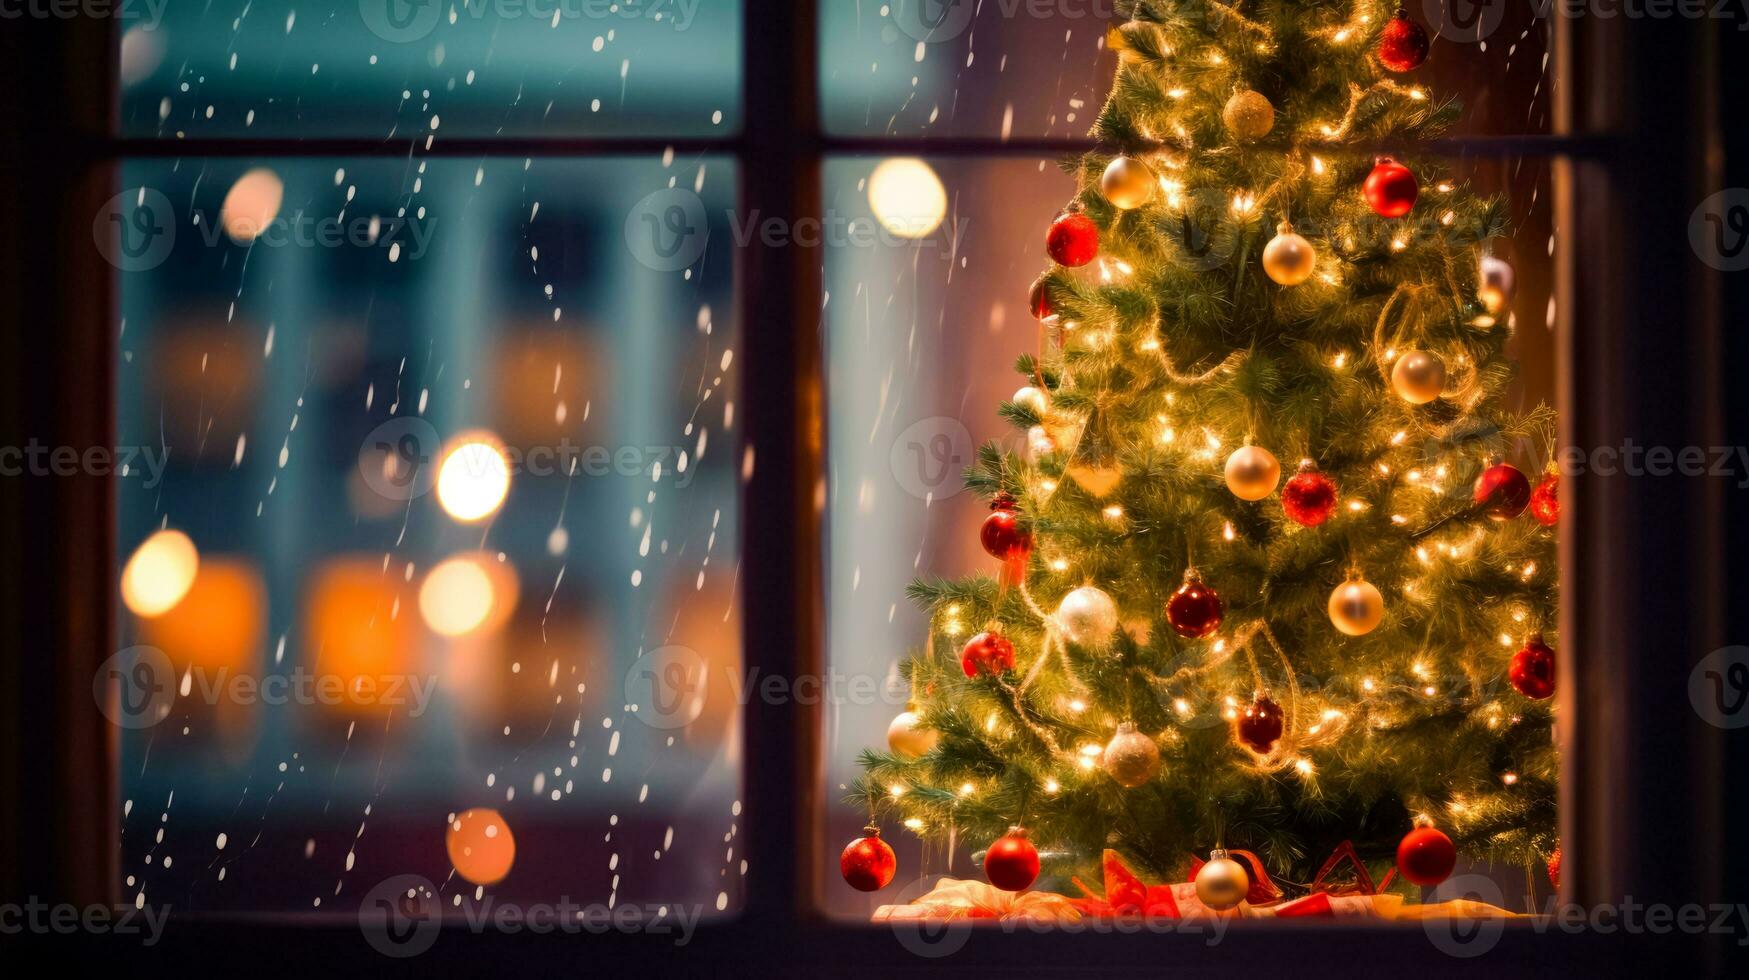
{"x":1178,"y":649}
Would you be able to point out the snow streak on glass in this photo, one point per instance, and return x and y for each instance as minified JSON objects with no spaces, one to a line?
{"x":1023,"y":69}
{"x":432,"y":508}
{"x":922,"y":342}
{"x":419,"y":69}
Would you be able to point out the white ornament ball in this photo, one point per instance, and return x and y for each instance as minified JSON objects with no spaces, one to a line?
{"x":1288,"y":259}
{"x":1033,"y":400}
{"x":1222,"y":883}
{"x":1128,"y":183}
{"x":1087,"y":616}
{"x":1418,"y":377}
{"x":907,"y":737}
{"x":1252,"y":472}
{"x":1356,"y":608}
{"x":1039,"y":443}
{"x":1498,"y":283}
{"x":1131,"y":758}
{"x":1248,"y":115}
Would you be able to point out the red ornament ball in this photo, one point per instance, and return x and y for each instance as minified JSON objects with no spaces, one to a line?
{"x":868,"y":863}
{"x":1260,"y":727}
{"x":1195,"y":610}
{"x":1545,"y":501}
{"x":1002,"y":534}
{"x":1040,"y":300}
{"x":1309,"y":497}
{"x":988,"y":653}
{"x":1502,"y":491}
{"x":1391,"y":189}
{"x":1403,"y":45}
{"x":1011,"y":863}
{"x":1533,"y":669}
{"x":1073,"y":239}
{"x":1426,"y":856}
{"x":1555,"y":868}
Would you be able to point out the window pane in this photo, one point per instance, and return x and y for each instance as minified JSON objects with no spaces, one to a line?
{"x":455,"y":455}
{"x":1042,"y":68}
{"x":417,"y":69}
{"x":921,"y":354}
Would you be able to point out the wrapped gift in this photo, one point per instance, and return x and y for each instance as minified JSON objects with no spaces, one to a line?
{"x":954,"y":898}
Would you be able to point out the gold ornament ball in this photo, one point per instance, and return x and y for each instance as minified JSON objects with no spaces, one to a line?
{"x":1128,"y":183}
{"x":1252,"y":473}
{"x":1033,"y":400}
{"x":1497,"y":284}
{"x":1131,"y":758}
{"x":1222,"y":883}
{"x":1356,"y":608}
{"x":907,"y":737}
{"x":1288,"y":258}
{"x":1418,"y":377}
{"x":1087,"y":616}
{"x":1248,"y":116}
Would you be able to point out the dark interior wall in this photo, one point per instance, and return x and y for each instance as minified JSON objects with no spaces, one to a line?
{"x":55,"y":795}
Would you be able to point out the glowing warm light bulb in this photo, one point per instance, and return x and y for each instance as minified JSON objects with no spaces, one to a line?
{"x":473,"y":478}
{"x":456,"y":597}
{"x":251,"y":205}
{"x":159,"y":573}
{"x":480,"y":845}
{"x":907,"y":197}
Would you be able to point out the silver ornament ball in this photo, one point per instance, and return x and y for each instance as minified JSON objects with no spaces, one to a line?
{"x":1087,"y":616}
{"x":1131,"y":758}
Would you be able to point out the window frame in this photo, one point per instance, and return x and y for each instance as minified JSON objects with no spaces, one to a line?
{"x":1633,"y":822}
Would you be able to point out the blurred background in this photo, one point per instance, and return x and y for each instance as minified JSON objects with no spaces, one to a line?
{"x":321,"y":337}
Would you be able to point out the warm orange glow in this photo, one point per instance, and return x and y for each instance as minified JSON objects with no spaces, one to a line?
{"x":359,"y":628}
{"x":473,"y":477}
{"x":220,"y":623}
{"x":159,"y":573}
{"x":480,"y":845}
{"x":251,"y":205}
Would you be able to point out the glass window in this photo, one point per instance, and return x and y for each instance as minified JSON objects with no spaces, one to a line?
{"x":433,"y":490}
{"x":413,"y":71}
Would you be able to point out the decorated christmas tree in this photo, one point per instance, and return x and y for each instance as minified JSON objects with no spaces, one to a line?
{"x":1264,"y":576}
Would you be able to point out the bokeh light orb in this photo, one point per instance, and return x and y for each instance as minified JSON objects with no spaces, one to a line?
{"x":907,"y":197}
{"x":473,"y":478}
{"x":480,"y":845}
{"x":159,"y":573}
{"x":456,"y":597}
{"x":251,"y":205}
